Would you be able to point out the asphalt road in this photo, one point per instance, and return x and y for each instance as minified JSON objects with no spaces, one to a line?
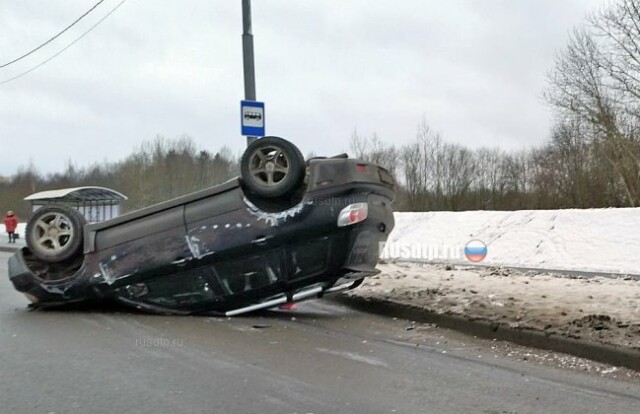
{"x":323,"y":358}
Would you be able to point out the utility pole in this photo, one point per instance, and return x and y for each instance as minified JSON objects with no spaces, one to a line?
{"x":247,"y":57}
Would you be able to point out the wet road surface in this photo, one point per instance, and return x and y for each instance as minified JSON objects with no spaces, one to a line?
{"x":322,"y":358}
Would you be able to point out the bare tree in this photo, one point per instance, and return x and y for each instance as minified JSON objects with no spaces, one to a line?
{"x":423,"y":168}
{"x":375,"y":150}
{"x":593,"y":80}
{"x":489,"y":184}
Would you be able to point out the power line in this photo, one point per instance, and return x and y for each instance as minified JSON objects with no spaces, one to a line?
{"x":66,"y":47}
{"x":53,"y":38}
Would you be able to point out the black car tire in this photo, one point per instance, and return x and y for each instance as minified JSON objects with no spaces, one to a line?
{"x":272,"y":167}
{"x":55,"y":233}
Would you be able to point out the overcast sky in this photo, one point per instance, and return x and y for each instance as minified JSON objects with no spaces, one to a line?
{"x":475,"y":70}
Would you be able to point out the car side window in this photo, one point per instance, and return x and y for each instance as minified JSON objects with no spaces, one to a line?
{"x":309,"y":259}
{"x":192,"y":287}
{"x":249,"y":273}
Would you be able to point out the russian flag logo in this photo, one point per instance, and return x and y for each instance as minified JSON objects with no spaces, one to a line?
{"x":475,"y":251}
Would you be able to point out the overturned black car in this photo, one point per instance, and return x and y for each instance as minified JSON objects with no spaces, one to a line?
{"x":286,"y":230}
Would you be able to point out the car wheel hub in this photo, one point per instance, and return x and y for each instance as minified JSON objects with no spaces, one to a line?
{"x":54,"y":232}
{"x":270,"y":166}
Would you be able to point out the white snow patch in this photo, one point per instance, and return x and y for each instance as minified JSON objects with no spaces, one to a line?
{"x":593,"y":239}
{"x":4,"y":238}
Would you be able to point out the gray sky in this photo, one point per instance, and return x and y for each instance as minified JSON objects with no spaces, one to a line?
{"x":475,"y":70}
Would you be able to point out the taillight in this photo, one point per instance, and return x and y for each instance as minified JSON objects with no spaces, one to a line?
{"x":362,"y":168}
{"x":352,"y":214}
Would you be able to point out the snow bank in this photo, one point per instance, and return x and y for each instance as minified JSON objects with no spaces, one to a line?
{"x":4,"y":238}
{"x":21,"y":228}
{"x":595,"y":239}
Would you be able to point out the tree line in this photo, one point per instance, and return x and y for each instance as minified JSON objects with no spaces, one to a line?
{"x":431,"y":174}
{"x":591,"y":160}
{"x":435,"y":175}
{"x":156,"y":171}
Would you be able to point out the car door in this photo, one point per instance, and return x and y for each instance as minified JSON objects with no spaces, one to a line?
{"x":218,"y":223}
{"x":141,"y":244}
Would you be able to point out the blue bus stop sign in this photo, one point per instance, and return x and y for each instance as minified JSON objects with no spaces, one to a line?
{"x":252,"y":118}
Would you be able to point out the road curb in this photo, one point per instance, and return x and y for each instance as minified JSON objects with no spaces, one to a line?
{"x":9,"y":249}
{"x":608,"y":354}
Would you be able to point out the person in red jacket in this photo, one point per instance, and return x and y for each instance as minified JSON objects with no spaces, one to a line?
{"x":11,"y":223}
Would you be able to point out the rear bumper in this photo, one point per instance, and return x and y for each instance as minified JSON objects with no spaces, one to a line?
{"x":37,"y":290}
{"x":367,"y":238}
{"x":19,"y":273}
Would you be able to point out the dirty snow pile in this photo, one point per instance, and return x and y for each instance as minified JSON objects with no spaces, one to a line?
{"x":595,"y":309}
{"x":592,"y":240}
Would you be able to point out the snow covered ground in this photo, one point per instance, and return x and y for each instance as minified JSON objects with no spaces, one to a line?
{"x":590,"y":240}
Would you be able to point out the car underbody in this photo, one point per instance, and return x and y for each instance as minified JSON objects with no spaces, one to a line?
{"x":225,"y":250}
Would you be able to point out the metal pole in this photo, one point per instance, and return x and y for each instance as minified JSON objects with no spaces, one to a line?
{"x":247,"y":57}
